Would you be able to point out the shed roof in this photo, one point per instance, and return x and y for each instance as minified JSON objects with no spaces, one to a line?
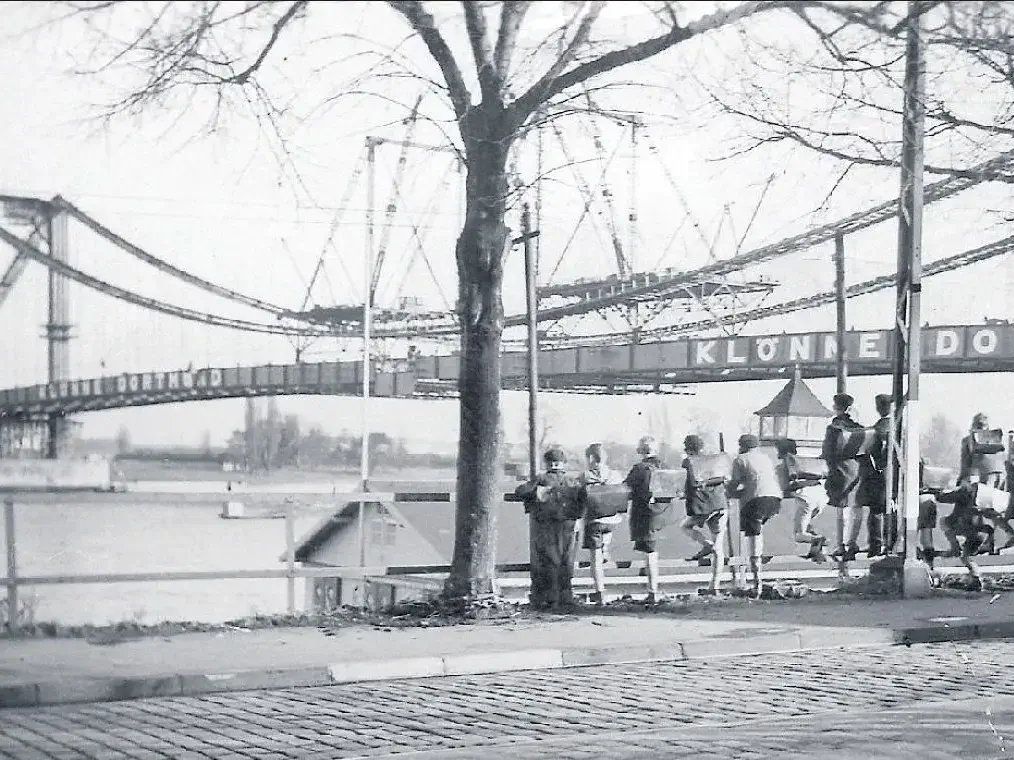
{"x":795,"y":400}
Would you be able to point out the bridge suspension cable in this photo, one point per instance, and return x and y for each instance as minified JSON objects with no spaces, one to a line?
{"x":966,"y":258}
{"x":350,"y":187}
{"x":852,"y":223}
{"x":624,"y":266}
{"x":180,"y":312}
{"x":164,"y":266}
{"x":418,"y":241}
{"x":587,"y":192}
{"x":392,"y":201}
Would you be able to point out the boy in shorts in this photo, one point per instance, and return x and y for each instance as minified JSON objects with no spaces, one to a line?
{"x":808,"y":504}
{"x":707,"y":508}
{"x":598,"y":531}
{"x":647,"y":517}
{"x":755,"y":484}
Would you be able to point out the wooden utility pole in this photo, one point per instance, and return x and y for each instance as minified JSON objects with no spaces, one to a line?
{"x":841,"y":360}
{"x":532,"y":298}
{"x":841,"y":365}
{"x":907,"y":335}
{"x":364,"y":453}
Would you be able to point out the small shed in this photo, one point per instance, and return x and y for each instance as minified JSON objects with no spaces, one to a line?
{"x":410,"y":533}
{"x":795,"y":412}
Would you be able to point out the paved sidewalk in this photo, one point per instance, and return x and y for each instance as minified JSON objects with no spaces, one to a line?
{"x":54,"y":671}
{"x":717,"y":707}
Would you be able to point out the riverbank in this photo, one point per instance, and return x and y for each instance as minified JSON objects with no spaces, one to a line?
{"x":808,"y":609}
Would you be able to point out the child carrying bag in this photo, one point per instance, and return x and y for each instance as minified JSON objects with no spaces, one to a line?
{"x":709,"y":470}
{"x":852,"y":443}
{"x":987,"y":441}
{"x":602,"y":500}
{"x":666,"y":485}
{"x":805,"y":468}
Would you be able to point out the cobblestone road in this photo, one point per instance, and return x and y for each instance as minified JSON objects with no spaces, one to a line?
{"x":645,"y":710}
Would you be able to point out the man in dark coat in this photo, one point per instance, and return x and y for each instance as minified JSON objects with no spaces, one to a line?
{"x":881,"y":527}
{"x":843,"y":478}
{"x":647,"y":517}
{"x":553,"y":501}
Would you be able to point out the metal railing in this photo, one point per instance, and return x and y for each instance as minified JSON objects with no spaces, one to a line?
{"x":389,"y":578}
{"x":290,"y":573}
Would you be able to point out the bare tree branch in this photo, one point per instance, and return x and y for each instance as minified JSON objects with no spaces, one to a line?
{"x":511,"y":16}
{"x":424,"y":25}
{"x":785,"y":132}
{"x":276,"y":30}
{"x":482,"y":51}
{"x":556,"y":80}
{"x":542,"y":90}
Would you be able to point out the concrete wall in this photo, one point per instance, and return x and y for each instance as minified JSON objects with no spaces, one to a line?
{"x":56,"y":474}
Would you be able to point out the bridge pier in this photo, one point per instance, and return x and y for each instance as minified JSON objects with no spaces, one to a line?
{"x":58,"y":328}
{"x":24,"y":438}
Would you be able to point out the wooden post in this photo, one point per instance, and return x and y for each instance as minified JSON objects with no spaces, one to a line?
{"x":12,"y":567}
{"x":841,"y":363}
{"x":364,"y":455}
{"x":290,"y":558}
{"x":737,"y":566}
{"x":908,"y":336}
{"x":841,"y":359}
{"x":532,"y":299}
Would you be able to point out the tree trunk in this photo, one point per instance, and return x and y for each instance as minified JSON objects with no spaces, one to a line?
{"x":480,"y":252}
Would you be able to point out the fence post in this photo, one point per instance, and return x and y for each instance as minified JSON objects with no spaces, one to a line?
{"x":290,"y":559}
{"x":12,"y":566}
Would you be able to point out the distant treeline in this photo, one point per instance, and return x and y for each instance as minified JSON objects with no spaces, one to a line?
{"x":269,"y":441}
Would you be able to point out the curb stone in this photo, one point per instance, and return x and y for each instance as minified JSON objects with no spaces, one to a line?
{"x":964,"y":632}
{"x":77,"y":690}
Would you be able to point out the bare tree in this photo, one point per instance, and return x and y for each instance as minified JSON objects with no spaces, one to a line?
{"x":834,"y":86}
{"x":496,"y":97}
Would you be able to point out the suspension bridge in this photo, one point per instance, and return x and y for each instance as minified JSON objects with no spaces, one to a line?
{"x":676,"y":326}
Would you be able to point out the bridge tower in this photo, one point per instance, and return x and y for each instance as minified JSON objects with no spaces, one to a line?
{"x":40,"y":434}
{"x":58,"y":327}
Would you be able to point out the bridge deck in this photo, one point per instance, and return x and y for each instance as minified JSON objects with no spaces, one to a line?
{"x":623,"y":368}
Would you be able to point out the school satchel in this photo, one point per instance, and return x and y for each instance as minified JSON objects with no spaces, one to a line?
{"x":605,"y":500}
{"x":806,"y":468}
{"x":936,"y":479}
{"x":667,"y":484}
{"x":709,"y":470}
{"x":987,"y":441}
{"x":989,"y":499}
{"x":852,"y":443}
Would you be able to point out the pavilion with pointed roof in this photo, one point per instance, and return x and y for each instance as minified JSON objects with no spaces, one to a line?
{"x":795,"y":412}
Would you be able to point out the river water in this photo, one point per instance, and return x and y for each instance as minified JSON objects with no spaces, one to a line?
{"x":123,"y":536}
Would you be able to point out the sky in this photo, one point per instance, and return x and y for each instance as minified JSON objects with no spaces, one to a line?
{"x":223,"y":206}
